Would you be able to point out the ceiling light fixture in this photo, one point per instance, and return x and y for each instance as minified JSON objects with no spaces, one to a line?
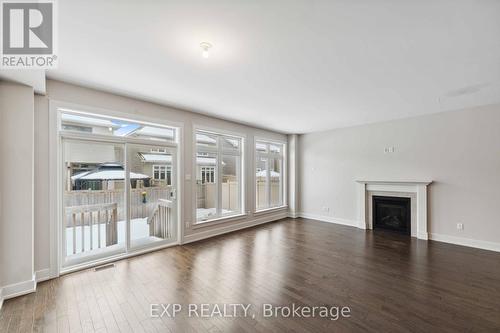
{"x":205,"y":47}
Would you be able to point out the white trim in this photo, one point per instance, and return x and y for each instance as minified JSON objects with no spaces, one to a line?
{"x":217,"y":131}
{"x":479,"y":244}
{"x":19,"y":289}
{"x":26,"y":287}
{"x":329,"y":219}
{"x":218,"y":173}
{"x":283,"y":156}
{"x":116,"y":139}
{"x":43,"y":275}
{"x":292,"y":171}
{"x":266,"y":139}
{"x":395,"y":182}
{"x":54,"y":195}
{"x":232,"y":227}
{"x":219,"y":220}
{"x":124,"y":115}
{"x":460,"y":241}
{"x":118,"y":257}
{"x":403,"y":186}
{"x":270,"y":210}
{"x":55,"y":153}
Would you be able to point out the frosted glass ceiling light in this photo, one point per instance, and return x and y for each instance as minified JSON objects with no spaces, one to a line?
{"x":205,"y":47}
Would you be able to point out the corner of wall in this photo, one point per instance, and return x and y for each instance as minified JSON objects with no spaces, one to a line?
{"x":19,"y":289}
{"x":1,"y":298}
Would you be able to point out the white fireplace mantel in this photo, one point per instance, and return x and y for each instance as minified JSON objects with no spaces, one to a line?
{"x":417,"y":187}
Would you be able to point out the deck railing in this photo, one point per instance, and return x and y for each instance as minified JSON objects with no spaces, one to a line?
{"x":91,"y":216}
{"x":160,"y":222}
{"x":138,"y":208}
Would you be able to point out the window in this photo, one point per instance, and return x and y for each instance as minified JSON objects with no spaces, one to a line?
{"x":207,"y":175}
{"x":218,"y":176}
{"x":158,"y":150}
{"x":118,"y":186}
{"x":163,"y":173}
{"x":269,"y":175}
{"x":76,"y":121}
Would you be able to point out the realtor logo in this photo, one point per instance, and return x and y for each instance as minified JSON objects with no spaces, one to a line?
{"x":28,"y":34}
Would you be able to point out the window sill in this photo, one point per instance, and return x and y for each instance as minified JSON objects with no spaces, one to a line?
{"x":270,"y":210}
{"x":219,"y":220}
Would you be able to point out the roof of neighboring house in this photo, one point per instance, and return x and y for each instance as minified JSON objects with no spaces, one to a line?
{"x":108,"y":171}
{"x":167,"y":159}
{"x":155,"y":157}
{"x":205,"y":160}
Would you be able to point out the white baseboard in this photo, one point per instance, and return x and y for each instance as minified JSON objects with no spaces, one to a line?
{"x":43,"y":275}
{"x":19,"y":289}
{"x":293,"y":215}
{"x":330,"y":219}
{"x":423,"y":235}
{"x":484,"y":245}
{"x":233,"y":227}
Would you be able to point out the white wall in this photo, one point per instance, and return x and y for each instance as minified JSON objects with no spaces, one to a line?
{"x":60,"y":91}
{"x":16,"y":188}
{"x":293,"y":175}
{"x":459,"y":150}
{"x":42,"y":174}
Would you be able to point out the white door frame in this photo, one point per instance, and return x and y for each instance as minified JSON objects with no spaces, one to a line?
{"x":55,"y":164}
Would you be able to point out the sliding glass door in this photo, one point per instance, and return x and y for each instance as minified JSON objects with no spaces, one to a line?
{"x":152,"y":187}
{"x":94,"y":203}
{"x":119,"y":192}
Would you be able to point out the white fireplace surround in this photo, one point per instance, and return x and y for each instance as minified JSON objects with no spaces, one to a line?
{"x":417,"y":190}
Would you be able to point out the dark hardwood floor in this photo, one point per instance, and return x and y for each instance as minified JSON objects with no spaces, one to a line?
{"x":391,"y":283}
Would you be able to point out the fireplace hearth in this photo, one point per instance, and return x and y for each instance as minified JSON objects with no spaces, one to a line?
{"x":392,"y":213}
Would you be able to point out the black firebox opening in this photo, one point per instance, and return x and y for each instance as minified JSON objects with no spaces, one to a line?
{"x":392,"y":213}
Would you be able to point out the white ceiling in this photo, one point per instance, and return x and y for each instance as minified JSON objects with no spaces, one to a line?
{"x":292,"y":66}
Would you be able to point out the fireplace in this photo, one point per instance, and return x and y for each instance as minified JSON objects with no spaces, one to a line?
{"x":392,"y":213}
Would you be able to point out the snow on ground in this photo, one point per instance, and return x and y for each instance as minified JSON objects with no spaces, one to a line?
{"x":139,"y":229}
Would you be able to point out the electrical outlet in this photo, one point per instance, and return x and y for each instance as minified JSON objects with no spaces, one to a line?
{"x":460,"y":226}
{"x":325,"y":209}
{"x":388,"y":150}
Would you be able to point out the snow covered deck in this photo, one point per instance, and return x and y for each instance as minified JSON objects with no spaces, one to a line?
{"x":139,"y":234}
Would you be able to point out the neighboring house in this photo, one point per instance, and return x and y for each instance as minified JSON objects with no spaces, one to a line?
{"x":107,"y":176}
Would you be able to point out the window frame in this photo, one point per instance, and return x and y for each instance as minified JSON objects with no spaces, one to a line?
{"x":268,"y":155}
{"x":210,"y":170}
{"x":220,"y":153}
{"x":165,"y":170}
{"x":56,"y":138}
